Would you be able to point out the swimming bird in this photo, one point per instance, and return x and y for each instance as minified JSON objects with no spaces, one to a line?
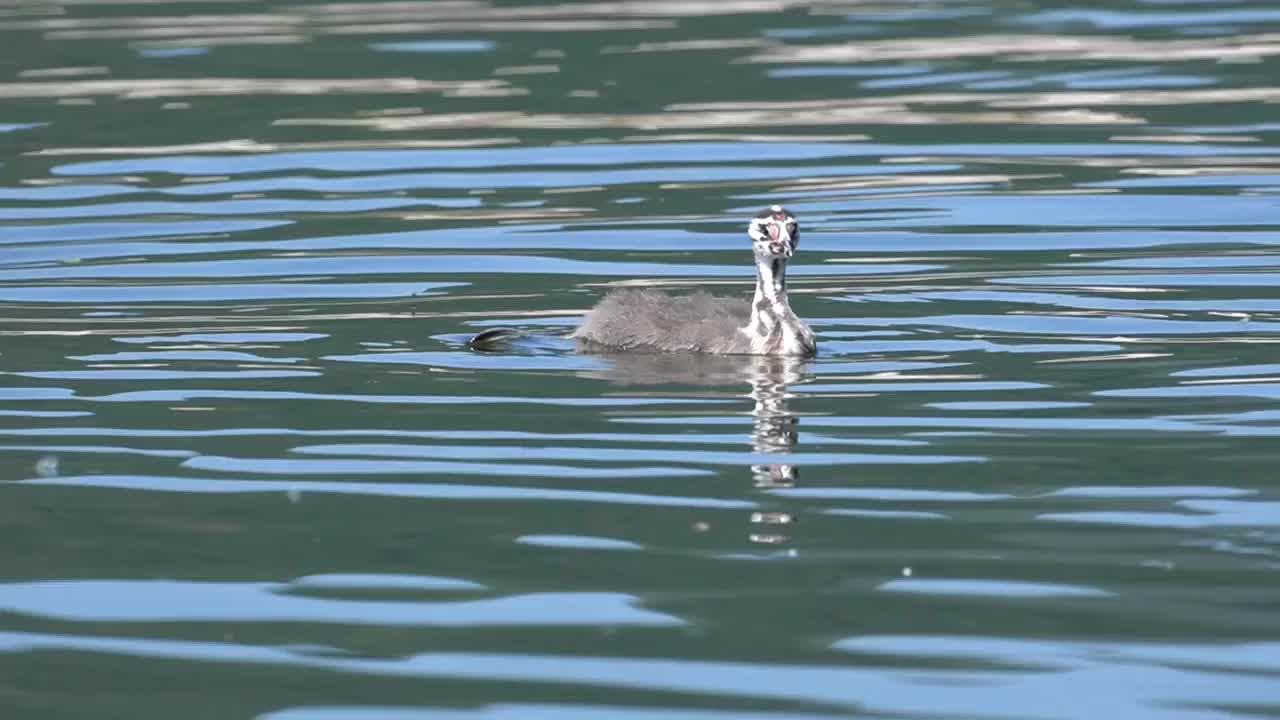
{"x":653,"y":321}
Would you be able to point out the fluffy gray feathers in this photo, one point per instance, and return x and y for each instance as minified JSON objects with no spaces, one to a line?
{"x":649,"y":319}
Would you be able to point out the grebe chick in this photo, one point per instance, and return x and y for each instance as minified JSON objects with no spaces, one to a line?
{"x":648,"y":320}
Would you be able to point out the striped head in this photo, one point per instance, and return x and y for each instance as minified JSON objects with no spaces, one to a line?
{"x":775,"y":233}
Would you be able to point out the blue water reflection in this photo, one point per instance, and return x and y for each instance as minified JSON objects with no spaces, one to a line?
{"x":246,"y":445}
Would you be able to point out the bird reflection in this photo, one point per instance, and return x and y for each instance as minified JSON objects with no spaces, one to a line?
{"x":774,"y":427}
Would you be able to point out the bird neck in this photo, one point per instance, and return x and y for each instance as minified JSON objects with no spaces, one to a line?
{"x":771,"y":288}
{"x":774,"y":329}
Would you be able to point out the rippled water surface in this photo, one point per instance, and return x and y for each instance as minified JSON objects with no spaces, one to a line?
{"x":253,"y":471}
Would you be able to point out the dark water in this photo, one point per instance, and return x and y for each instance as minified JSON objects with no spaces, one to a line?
{"x":253,"y":472}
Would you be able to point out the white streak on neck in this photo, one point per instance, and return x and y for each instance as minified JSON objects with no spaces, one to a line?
{"x":774,"y":328}
{"x":769,"y":285}
{"x":769,"y":307}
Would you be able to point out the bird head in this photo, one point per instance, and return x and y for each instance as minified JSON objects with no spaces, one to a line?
{"x":775,"y":233}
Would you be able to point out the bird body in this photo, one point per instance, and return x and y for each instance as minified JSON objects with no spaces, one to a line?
{"x":649,"y":320}
{"x":646,"y":320}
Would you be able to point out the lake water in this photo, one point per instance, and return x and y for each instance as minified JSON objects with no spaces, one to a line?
{"x":251,"y":469}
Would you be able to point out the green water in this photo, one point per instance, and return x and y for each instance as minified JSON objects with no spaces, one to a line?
{"x":251,"y":469}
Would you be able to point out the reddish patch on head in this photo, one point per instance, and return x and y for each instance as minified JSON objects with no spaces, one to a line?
{"x":779,"y":216}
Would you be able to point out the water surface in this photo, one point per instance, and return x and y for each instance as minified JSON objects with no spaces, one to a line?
{"x":252,"y":471}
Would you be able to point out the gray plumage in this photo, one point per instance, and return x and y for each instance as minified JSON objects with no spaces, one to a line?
{"x":648,"y":319}
{"x":651,"y":321}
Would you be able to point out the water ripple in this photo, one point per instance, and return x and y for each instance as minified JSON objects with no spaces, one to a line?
{"x":245,"y":247}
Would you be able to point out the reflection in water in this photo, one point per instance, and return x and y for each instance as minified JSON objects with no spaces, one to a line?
{"x":238,"y":243}
{"x":774,"y":427}
{"x":774,"y":431}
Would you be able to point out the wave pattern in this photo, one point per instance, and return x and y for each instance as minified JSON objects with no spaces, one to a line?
{"x":242,"y":248}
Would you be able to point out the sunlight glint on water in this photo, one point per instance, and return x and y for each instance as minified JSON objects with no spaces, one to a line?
{"x":252,"y":467}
